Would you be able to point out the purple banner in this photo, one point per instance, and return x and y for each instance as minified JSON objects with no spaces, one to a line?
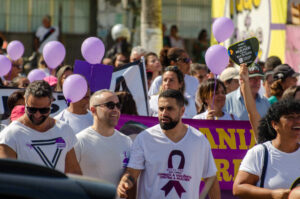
{"x":229,"y":141}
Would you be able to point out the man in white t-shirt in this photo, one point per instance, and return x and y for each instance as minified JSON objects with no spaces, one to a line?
{"x":37,"y":138}
{"x":102,"y":151}
{"x":170,"y":158}
{"x":45,"y":33}
{"x":77,"y":114}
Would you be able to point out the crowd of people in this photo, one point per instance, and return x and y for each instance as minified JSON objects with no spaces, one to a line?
{"x":83,"y":138}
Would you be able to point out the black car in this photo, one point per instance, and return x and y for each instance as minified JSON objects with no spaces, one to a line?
{"x":24,"y":180}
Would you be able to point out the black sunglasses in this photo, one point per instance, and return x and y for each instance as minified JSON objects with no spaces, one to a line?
{"x":110,"y":105}
{"x":33,"y":110}
{"x":185,"y":60}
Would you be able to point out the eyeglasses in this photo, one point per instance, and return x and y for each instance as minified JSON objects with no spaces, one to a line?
{"x":110,"y":105}
{"x":33,"y":110}
{"x":185,"y":60}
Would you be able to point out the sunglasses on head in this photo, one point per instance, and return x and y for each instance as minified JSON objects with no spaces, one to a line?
{"x":110,"y":105}
{"x":33,"y":110}
{"x":185,"y":60}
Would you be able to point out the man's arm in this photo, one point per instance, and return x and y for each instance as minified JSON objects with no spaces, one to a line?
{"x":212,"y":187}
{"x":250,"y":104}
{"x":71,"y":163}
{"x":7,"y":152}
{"x":128,"y":181}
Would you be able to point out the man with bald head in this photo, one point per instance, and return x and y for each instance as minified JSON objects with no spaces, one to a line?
{"x":45,"y":33}
{"x":101,"y":150}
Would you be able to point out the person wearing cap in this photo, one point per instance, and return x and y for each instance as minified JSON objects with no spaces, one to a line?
{"x":284,"y":77}
{"x":235,"y":102}
{"x":230,"y":77}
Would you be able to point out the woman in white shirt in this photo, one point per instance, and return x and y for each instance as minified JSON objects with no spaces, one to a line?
{"x":173,"y":78}
{"x":213,"y":101}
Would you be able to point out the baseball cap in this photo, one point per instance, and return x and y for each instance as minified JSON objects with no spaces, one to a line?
{"x":283,"y":71}
{"x":229,"y":73}
{"x":255,"y":71}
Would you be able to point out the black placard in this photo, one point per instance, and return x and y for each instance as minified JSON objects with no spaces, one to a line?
{"x":244,"y":51}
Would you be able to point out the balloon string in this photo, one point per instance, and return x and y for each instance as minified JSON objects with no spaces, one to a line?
{"x":215,"y":86}
{"x":91,"y":73}
{"x":50,"y":75}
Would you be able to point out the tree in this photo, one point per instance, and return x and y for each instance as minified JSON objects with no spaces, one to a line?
{"x":151,"y":25}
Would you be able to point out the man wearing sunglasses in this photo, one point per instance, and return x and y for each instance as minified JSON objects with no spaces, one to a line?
{"x":35,"y":137}
{"x":102,"y":151}
{"x":171,"y":157}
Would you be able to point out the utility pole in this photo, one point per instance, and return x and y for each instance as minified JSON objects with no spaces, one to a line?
{"x":151,"y":25}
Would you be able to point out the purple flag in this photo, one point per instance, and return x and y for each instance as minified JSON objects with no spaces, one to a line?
{"x":98,"y":76}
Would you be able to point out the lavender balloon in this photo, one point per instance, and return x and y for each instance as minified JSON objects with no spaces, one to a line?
{"x":216,"y":58}
{"x":74,"y":88}
{"x":54,"y":53}
{"x":93,"y":50}
{"x":222,"y":28}
{"x":36,"y":74}
{"x":5,"y":65}
{"x":15,"y":50}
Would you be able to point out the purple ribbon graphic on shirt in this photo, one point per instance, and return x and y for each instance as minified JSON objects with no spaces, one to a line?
{"x":174,"y":183}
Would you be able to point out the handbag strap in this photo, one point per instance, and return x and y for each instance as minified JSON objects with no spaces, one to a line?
{"x":265,"y":165}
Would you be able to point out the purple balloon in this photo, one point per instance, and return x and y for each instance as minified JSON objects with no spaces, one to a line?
{"x":15,"y":50}
{"x":54,"y":53}
{"x":93,"y":50}
{"x":36,"y":74}
{"x":216,"y":58}
{"x":74,"y":88}
{"x":222,"y":28}
{"x":5,"y":65}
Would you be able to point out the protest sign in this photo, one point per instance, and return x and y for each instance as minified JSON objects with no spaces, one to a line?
{"x":244,"y":51}
{"x":132,"y":78}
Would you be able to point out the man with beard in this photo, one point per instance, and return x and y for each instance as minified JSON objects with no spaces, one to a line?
{"x":35,"y":137}
{"x":171,"y":157}
{"x":102,"y":151}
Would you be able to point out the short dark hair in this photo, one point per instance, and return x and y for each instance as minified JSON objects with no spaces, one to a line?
{"x":14,"y":98}
{"x":284,"y":107}
{"x":272,"y":62}
{"x":39,"y":89}
{"x":175,"y":94}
